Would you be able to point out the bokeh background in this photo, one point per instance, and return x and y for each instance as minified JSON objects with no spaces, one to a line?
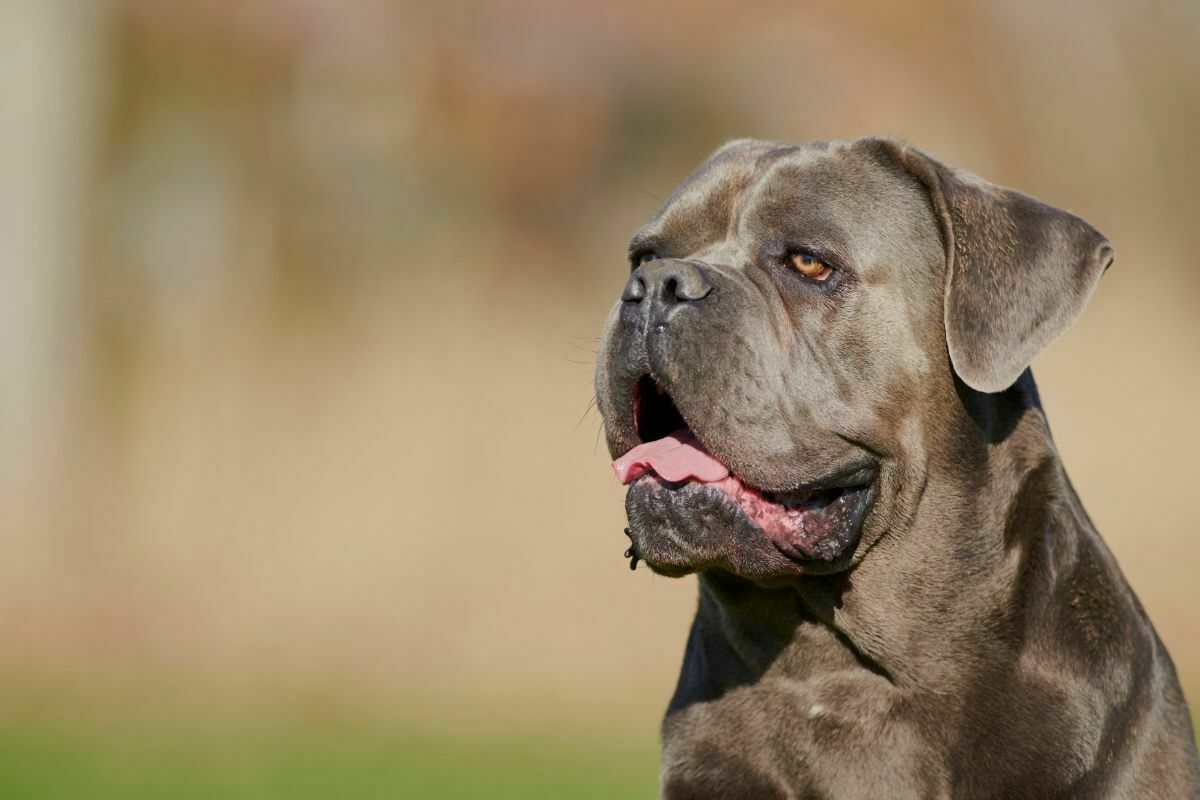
{"x":300,"y":492}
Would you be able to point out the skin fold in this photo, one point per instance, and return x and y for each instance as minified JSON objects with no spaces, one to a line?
{"x":969,"y":635}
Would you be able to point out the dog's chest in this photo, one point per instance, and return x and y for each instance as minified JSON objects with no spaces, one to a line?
{"x":836,"y":734}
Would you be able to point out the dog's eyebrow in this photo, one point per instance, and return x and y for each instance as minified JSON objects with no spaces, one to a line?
{"x":639,"y":243}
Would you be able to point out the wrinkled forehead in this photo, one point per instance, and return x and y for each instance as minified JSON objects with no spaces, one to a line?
{"x":753,"y":192}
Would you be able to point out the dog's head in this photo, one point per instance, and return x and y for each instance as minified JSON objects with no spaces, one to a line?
{"x":800,"y":322}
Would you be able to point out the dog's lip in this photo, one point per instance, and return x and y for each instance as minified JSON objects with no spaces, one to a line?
{"x":821,"y":525}
{"x":853,"y":476}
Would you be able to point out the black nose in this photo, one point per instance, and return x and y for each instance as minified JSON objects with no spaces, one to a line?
{"x":668,"y":282}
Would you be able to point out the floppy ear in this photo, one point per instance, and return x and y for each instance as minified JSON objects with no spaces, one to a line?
{"x":1018,"y":272}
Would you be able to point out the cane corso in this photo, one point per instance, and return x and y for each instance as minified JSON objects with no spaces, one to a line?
{"x":816,"y":386}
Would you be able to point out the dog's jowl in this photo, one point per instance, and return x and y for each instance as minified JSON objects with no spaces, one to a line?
{"x":816,"y":385}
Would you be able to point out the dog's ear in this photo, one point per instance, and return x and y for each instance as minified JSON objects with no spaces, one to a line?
{"x":1018,"y":272}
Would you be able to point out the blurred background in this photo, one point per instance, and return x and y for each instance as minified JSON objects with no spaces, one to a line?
{"x":299,"y":487}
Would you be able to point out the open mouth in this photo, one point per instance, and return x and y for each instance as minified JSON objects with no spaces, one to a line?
{"x":818,"y":520}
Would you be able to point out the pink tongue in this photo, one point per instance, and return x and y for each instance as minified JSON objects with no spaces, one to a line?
{"x":678,"y":457}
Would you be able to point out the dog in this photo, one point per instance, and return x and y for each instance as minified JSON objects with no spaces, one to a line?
{"x":816,"y":385}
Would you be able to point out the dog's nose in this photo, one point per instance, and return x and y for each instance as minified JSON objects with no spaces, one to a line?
{"x":668,"y":282}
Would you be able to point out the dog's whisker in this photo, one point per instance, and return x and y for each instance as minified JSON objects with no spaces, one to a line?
{"x":650,"y":194}
{"x":590,"y":407}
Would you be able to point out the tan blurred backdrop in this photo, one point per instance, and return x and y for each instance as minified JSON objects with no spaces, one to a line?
{"x":299,"y":304}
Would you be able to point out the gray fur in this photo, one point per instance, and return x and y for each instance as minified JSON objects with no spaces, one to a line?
{"x":976,"y":639}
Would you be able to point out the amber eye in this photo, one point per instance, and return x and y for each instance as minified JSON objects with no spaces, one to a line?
{"x":645,"y":258}
{"x":811,"y":267}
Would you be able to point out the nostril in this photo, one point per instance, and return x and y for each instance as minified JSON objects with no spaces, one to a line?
{"x":694,"y":288}
{"x":635,"y":290}
{"x":667,"y":282}
{"x":685,"y":287}
{"x":688,"y":284}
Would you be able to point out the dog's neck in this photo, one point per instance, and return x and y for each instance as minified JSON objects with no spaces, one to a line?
{"x":988,"y":523}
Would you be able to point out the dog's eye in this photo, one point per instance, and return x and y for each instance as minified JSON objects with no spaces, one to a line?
{"x":811,"y":267}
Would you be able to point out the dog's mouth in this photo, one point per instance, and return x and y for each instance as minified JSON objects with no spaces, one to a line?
{"x":816,"y":520}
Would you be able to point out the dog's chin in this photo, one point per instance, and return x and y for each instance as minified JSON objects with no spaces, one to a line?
{"x":679,"y":528}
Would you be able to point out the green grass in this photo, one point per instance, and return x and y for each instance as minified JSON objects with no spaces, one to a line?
{"x":51,"y":761}
{"x":90,"y":761}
